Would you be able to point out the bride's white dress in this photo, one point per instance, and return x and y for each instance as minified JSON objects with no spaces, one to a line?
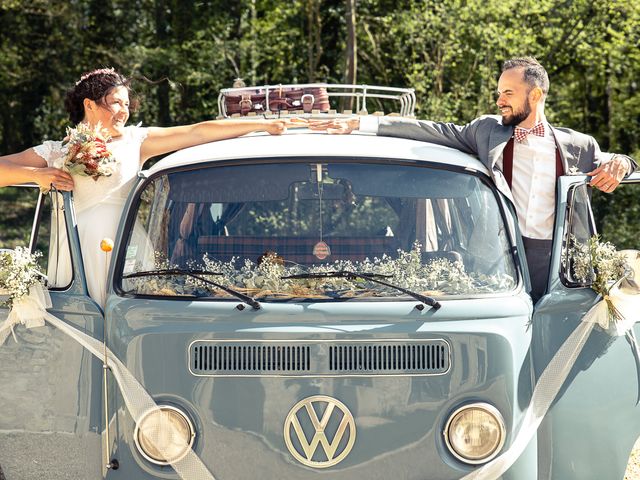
{"x":98,"y":205}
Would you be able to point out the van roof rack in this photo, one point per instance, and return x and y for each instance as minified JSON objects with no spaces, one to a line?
{"x":310,"y":99}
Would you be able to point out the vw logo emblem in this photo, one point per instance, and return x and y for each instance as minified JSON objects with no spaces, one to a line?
{"x":319,"y":431}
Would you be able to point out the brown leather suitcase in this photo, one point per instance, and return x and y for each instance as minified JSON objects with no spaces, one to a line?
{"x":305,"y":99}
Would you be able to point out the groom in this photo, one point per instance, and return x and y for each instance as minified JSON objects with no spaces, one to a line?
{"x":523,"y":152}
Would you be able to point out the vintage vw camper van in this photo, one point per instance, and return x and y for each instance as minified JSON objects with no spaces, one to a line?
{"x":310,"y":307}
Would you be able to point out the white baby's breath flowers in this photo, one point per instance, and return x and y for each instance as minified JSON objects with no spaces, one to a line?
{"x":265,"y":277}
{"x":600,"y":264}
{"x":18,"y":273}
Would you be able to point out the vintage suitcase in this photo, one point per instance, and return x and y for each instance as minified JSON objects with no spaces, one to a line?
{"x":284,"y":98}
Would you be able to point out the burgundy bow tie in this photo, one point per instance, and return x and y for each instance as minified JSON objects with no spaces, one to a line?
{"x":520,"y":134}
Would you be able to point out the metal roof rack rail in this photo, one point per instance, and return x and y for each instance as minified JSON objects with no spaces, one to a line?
{"x":309,"y":99}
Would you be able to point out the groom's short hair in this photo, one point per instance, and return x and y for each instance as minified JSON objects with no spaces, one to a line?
{"x":534,"y":74}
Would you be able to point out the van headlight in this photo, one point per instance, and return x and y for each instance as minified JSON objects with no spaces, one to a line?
{"x":164,"y":435}
{"x":475,"y":433}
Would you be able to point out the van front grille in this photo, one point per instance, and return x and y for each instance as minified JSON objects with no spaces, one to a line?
{"x":319,"y":358}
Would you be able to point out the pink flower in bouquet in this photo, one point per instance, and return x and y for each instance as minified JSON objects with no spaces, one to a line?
{"x":91,"y":166}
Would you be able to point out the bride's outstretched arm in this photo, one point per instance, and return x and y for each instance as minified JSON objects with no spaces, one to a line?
{"x":27,"y":167}
{"x":164,"y":140}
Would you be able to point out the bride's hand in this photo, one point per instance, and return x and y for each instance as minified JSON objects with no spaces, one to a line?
{"x":47,"y":177}
{"x":279,"y":126}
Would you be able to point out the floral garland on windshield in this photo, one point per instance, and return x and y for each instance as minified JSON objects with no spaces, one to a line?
{"x":265,"y":277}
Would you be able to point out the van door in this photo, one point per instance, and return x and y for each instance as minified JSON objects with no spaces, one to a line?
{"x":595,"y":414}
{"x":50,"y":387}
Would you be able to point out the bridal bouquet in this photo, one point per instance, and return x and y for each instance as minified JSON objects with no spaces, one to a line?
{"x":18,"y":273}
{"x":87,"y":153}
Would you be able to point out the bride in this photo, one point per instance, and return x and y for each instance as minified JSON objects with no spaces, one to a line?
{"x":102,"y":97}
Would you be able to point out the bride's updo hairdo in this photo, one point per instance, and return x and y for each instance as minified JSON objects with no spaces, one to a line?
{"x":94,"y":85}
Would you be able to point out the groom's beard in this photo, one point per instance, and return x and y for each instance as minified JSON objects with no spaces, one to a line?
{"x":517,"y":118}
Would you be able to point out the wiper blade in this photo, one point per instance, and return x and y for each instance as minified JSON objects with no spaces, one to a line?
{"x":197,"y":274}
{"x":373,"y":277}
{"x":169,"y":271}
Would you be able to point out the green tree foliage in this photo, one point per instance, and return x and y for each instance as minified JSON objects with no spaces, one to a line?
{"x":181,"y":52}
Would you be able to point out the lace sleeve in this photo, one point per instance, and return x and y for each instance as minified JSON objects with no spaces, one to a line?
{"x":139,"y":134}
{"x":51,"y":151}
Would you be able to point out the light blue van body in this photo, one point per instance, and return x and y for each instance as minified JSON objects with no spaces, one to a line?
{"x":485,"y":347}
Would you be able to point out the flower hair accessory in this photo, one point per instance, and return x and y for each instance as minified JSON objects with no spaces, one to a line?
{"x":92,"y":73}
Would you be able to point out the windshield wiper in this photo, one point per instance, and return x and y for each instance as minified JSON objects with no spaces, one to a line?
{"x":197,"y":274}
{"x":373,"y":277}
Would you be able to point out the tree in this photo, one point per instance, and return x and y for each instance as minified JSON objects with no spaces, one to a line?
{"x":180,"y":53}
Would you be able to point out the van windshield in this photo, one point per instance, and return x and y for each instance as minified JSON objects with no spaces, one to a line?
{"x":261,"y":227}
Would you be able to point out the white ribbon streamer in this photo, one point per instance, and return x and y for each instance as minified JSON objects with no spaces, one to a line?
{"x":31,"y":312}
{"x":625,"y":297}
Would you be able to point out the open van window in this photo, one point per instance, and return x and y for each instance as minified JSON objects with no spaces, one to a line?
{"x":36,"y":220}
{"x":432,"y":230}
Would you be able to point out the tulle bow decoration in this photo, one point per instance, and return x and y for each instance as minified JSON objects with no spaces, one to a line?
{"x":27,"y":310}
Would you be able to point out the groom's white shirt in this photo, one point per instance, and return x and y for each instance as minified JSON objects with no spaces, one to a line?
{"x":533,"y":184}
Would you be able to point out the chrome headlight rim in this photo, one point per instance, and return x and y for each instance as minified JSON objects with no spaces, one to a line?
{"x":183,"y":415}
{"x":487,"y":408}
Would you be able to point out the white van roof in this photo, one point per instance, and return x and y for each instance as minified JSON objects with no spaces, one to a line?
{"x":301,"y":143}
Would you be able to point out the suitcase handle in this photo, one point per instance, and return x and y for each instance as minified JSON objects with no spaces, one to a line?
{"x":307,"y":102}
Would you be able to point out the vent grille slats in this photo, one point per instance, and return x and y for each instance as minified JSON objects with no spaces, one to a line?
{"x":250,"y":358}
{"x":431,"y":357}
{"x":333,"y":358}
